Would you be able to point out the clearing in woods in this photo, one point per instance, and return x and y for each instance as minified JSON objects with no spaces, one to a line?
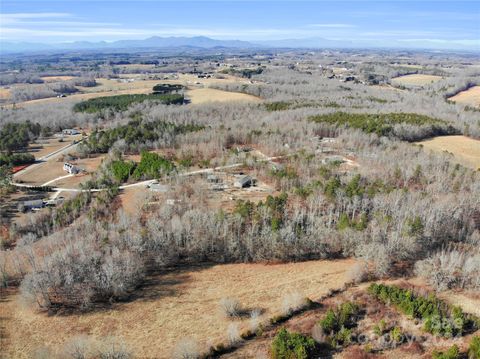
{"x":465,"y":150}
{"x":469,"y":97}
{"x":174,"y":305}
{"x":415,"y":80}
{"x":204,"y":95}
{"x":56,"y":78}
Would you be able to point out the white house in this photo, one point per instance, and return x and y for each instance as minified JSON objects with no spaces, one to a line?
{"x":72,"y":169}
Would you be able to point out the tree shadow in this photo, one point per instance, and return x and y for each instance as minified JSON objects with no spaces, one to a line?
{"x":169,"y":282}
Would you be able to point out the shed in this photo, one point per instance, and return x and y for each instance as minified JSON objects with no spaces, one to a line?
{"x":243,"y":181}
{"x":31,"y":205}
{"x":71,"y":131}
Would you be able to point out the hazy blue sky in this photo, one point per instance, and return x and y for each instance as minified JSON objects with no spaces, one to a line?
{"x":377,"y":22}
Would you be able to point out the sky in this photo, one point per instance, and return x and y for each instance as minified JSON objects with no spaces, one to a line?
{"x":446,"y":23}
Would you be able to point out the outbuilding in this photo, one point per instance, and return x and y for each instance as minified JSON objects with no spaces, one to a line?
{"x":71,"y":131}
{"x":243,"y":181}
{"x":31,"y":205}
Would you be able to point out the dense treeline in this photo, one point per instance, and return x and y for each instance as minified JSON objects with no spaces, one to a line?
{"x":151,"y":166}
{"x":16,"y":136}
{"x":388,"y":124}
{"x":122,"y":102}
{"x":247,"y":73}
{"x":166,"y":88}
{"x":16,"y":159}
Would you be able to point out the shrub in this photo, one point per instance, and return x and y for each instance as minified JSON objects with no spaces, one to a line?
{"x":292,"y":302}
{"x":452,"y":353}
{"x":112,"y":348}
{"x":255,"y":320}
{"x":474,"y":348}
{"x":288,"y":345}
{"x":186,"y":349}
{"x":439,"y":318}
{"x":230,"y":307}
{"x":345,"y":315}
{"x":233,"y":334}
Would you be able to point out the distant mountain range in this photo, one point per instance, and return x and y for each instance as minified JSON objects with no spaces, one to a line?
{"x":150,"y":43}
{"x":202,"y":42}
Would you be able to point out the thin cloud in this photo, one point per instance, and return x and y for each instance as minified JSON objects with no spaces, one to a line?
{"x":16,"y":18}
{"x":333,"y":26}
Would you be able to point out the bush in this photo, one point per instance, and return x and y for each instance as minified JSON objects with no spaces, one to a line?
{"x":452,"y":353}
{"x":230,"y":307}
{"x":439,"y":318}
{"x":292,"y":302}
{"x":474,"y":348}
{"x":288,"y":345}
{"x":186,"y":349}
{"x":345,"y":315}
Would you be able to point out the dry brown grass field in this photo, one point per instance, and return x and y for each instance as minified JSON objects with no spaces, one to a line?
{"x":56,"y":78}
{"x":415,"y":80}
{"x":465,"y":150}
{"x":205,"y":95}
{"x":174,"y":305}
{"x":44,"y":147}
{"x":469,"y":97}
{"x":4,"y":94}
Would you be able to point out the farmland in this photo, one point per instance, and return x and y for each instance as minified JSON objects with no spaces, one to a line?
{"x":470,"y":97}
{"x":415,"y":80}
{"x":465,"y":151}
{"x":205,"y":95}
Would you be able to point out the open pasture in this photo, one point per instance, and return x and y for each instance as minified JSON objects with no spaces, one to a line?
{"x":205,"y":95}
{"x":415,"y":80}
{"x":465,"y":150}
{"x":470,"y":97}
{"x":178,"y":304}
